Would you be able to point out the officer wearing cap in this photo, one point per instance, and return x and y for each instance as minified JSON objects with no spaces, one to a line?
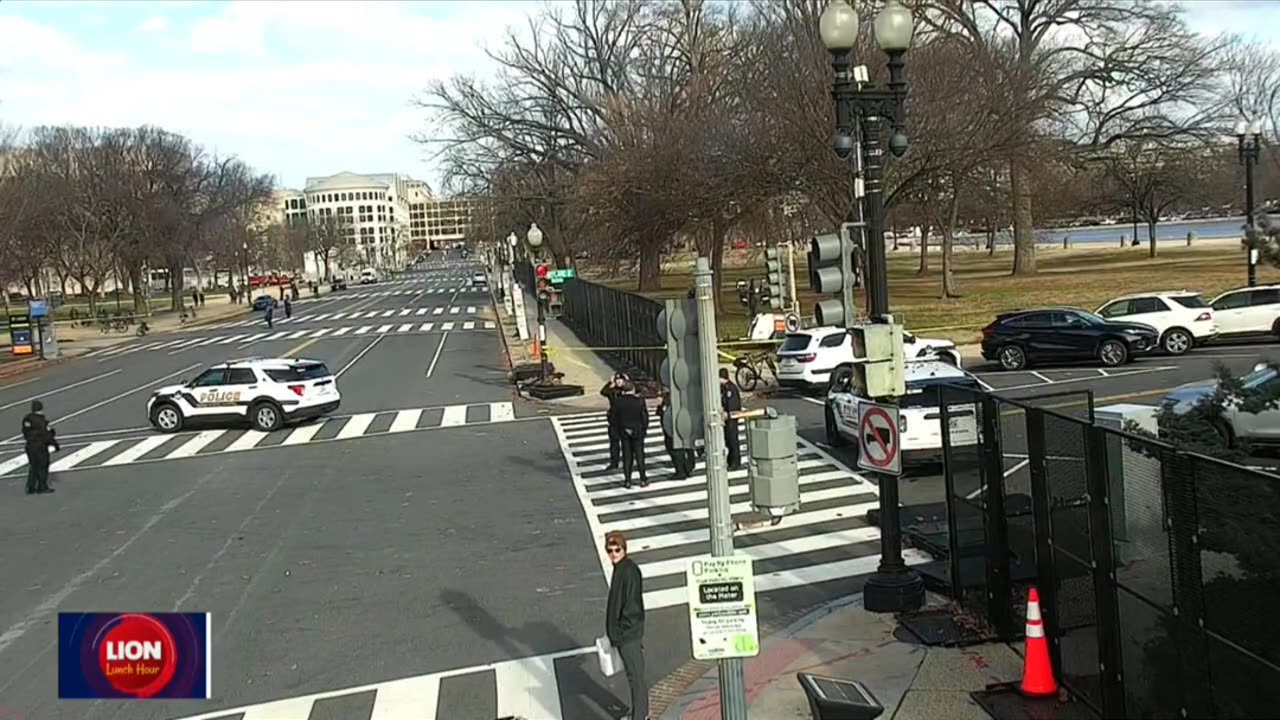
{"x":39,"y":437}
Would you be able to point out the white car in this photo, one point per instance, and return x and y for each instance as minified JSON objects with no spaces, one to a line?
{"x":478,"y":279}
{"x":368,"y":276}
{"x":268,"y":392}
{"x":806,"y":358}
{"x":1183,"y":319}
{"x":1248,"y":311}
{"x":919,"y":411}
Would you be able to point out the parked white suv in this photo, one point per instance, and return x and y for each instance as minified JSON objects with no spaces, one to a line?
{"x":267,"y":391}
{"x":919,"y":411}
{"x":806,"y":358}
{"x":1183,"y":319}
{"x":1248,"y":311}
{"x":368,"y":276}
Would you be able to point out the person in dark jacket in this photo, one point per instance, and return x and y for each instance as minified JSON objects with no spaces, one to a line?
{"x":269,"y":311}
{"x":288,"y":308}
{"x":612,"y":390}
{"x":633,"y":425}
{"x":681,"y":460}
{"x":624,"y":620}
{"x":731,"y":401}
{"x":38,"y":438}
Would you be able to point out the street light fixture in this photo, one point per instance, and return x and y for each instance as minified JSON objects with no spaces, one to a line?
{"x":1249,"y":144}
{"x":534,"y":236}
{"x":862,"y":108}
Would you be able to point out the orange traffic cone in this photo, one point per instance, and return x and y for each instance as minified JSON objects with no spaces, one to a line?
{"x":537,"y":348}
{"x":1037,"y":670}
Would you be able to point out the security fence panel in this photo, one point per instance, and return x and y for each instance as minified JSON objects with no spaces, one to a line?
{"x":966,"y":427}
{"x":623,"y":324}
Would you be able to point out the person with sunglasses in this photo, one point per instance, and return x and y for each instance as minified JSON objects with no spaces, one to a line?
{"x":624,"y":621}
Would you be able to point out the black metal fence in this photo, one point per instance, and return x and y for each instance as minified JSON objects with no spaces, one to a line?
{"x":1157,"y":569}
{"x":623,"y":325}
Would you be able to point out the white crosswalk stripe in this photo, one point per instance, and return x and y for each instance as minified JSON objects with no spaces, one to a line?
{"x":556,"y":686}
{"x":123,"y":451}
{"x":666,"y":524}
{"x":177,"y":346}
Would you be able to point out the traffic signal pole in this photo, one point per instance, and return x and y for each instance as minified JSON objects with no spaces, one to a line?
{"x":733,"y":695}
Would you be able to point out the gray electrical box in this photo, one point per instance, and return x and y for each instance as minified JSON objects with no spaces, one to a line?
{"x":774,"y":478}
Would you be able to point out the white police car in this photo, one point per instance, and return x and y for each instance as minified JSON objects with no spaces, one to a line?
{"x":269,"y":392}
{"x":919,"y":411}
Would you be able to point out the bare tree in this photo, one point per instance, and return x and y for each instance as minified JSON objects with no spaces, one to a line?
{"x":324,"y":237}
{"x":1151,"y":178}
{"x":1098,"y":71}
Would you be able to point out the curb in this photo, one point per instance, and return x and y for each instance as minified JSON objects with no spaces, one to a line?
{"x":672,"y":687}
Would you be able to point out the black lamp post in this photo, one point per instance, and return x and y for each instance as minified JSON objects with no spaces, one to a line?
{"x":1249,"y":143}
{"x":894,"y":587}
{"x":534,"y":236}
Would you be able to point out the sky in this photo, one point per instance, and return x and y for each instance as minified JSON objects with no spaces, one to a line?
{"x":294,"y":88}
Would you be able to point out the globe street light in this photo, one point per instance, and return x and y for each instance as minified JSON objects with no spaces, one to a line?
{"x":1249,"y":143}
{"x":534,"y":236}
{"x":861,"y":108}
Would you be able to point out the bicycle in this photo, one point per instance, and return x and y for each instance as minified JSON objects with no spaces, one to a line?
{"x":750,"y":367}
{"x":115,"y":324}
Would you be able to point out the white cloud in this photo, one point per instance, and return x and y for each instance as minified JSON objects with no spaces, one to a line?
{"x":154,"y":24}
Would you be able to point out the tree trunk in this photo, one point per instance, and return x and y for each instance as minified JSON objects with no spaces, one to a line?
{"x":719,"y":235}
{"x":991,"y":237}
{"x":176,"y":300}
{"x":141,"y":296}
{"x":650,"y":266}
{"x":328,"y":274}
{"x":948,"y":243}
{"x":924,"y":249}
{"x":1024,"y":239}
{"x":1151,"y":237}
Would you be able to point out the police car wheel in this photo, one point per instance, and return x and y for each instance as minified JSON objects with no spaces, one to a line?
{"x":166,"y":418}
{"x":266,"y":416}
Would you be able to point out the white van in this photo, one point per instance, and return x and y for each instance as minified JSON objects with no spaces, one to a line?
{"x":368,"y":276}
{"x":919,"y":411}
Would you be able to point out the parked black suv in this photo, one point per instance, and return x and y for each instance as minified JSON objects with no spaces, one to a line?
{"x":1018,"y":339}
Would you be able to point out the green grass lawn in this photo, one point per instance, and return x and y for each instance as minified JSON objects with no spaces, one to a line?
{"x":1082,"y":277}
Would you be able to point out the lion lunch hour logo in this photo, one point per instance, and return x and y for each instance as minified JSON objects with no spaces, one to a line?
{"x":133,"y":655}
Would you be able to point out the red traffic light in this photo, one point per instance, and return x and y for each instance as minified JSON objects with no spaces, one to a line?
{"x":543,"y":270}
{"x":542,"y":283}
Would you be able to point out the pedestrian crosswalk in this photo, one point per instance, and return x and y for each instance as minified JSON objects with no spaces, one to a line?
{"x":533,"y":688}
{"x":187,"y":342}
{"x":365,"y":294}
{"x":380,"y":313}
{"x":666,"y":523}
{"x":109,"y":452}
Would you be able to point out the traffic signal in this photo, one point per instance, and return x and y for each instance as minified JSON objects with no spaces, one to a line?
{"x":544,"y":281}
{"x":879,"y":366}
{"x":681,"y":372}
{"x":777,"y":281}
{"x":831,"y":273}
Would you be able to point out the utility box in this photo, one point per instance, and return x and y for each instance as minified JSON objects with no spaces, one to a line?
{"x":772,"y":471}
{"x":1135,"y":485}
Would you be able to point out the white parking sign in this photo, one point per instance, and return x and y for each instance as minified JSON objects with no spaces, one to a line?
{"x":722,"y":607}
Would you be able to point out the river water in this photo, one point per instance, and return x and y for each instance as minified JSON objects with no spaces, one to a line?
{"x":1173,"y":231}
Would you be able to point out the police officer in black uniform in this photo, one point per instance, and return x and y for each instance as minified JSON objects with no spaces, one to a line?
{"x":612,"y":390}
{"x":39,"y":437}
{"x":731,"y":401}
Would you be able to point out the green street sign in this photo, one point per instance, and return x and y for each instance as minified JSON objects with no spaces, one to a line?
{"x":559,"y":276}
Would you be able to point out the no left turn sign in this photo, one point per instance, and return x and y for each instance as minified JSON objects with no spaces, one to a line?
{"x":879,"y":445}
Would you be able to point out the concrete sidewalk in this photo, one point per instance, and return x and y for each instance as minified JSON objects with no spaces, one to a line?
{"x":843,"y":640}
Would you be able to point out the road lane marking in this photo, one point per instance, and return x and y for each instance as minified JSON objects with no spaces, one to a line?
{"x":468,"y":325}
{"x":432,"y":367}
{"x":303,"y":434}
{"x":342,"y":331}
{"x":528,"y":688}
{"x":293,"y":351}
{"x":13,"y":463}
{"x":64,"y":388}
{"x":364,"y":329}
{"x":454,"y":415}
{"x":356,"y":425}
{"x":424,"y":327}
{"x":405,"y":311}
{"x":446,"y":326}
{"x":437,"y":311}
{"x":137,"y":451}
{"x":501,"y":412}
{"x":421,"y":311}
{"x":405,"y":420}
{"x":384,"y":328}
{"x":247,"y":441}
{"x":81,"y":455}
{"x":411,"y":697}
{"x":359,"y":355}
{"x":454,"y":310}
{"x":14,"y":385}
{"x":405,"y":328}
{"x":195,"y":444}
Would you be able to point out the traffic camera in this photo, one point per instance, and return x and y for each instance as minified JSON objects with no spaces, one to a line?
{"x":681,"y":372}
{"x":879,"y":364}
{"x":831,"y":273}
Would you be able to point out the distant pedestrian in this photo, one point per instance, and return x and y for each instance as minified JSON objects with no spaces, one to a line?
{"x":288,"y":308}
{"x":269,"y":311}
{"x":38,"y":437}
{"x":293,"y":290}
{"x":624,"y":620}
{"x":612,"y":390}
{"x":202,"y":299}
{"x":731,"y":401}
{"x":633,"y":425}
{"x":195,"y":298}
{"x":282,"y":291}
{"x":681,"y":459}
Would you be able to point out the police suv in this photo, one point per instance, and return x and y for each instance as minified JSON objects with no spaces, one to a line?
{"x":269,"y":392}
{"x":919,"y":411}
